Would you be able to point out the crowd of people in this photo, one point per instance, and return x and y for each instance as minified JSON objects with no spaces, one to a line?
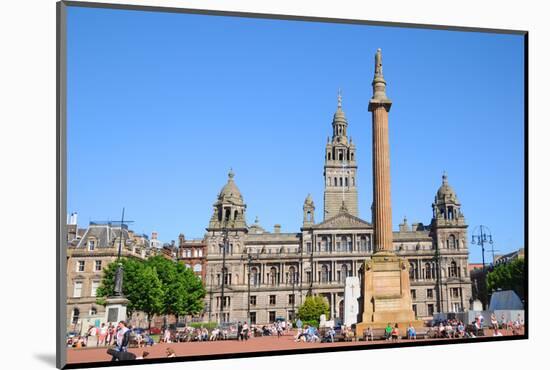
{"x":120,"y":336}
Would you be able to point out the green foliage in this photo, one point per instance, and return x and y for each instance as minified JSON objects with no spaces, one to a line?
{"x":312,"y":308}
{"x":207,"y":325}
{"x":509,"y":276}
{"x":131,"y":285}
{"x":314,"y":323}
{"x":155,"y":286}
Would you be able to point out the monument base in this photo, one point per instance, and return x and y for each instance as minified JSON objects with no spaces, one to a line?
{"x":387,"y":294}
{"x":115,"y":309}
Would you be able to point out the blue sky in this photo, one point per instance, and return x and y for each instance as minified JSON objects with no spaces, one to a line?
{"x":161,"y":106}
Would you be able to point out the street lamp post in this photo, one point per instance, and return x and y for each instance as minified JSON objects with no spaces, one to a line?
{"x":224,"y":248}
{"x":249,"y":258}
{"x":482,"y":237}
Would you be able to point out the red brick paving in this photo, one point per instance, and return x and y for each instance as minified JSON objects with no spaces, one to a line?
{"x":218,"y":347}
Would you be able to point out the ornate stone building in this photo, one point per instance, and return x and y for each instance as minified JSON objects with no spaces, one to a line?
{"x":192,"y":253}
{"x":269,"y":273}
{"x":89,"y":251}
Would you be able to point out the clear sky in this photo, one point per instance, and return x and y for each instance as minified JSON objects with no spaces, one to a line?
{"x":161,"y":106}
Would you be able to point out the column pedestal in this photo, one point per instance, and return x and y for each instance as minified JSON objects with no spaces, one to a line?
{"x":115,"y":309}
{"x":386,"y":294}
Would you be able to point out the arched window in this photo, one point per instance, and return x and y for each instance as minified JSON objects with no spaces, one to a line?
{"x":344,"y":273}
{"x":341,"y":182}
{"x":428,"y":271}
{"x":329,"y":156}
{"x":324,"y":244}
{"x":451,"y":242}
{"x":450,"y":213}
{"x":254,"y":276}
{"x":352,"y":156}
{"x":363,"y":243}
{"x":273,"y":276}
{"x":324,"y":274}
{"x":412,"y":271}
{"x":292,"y":278}
{"x":335,"y":181}
{"x":346,"y":181}
{"x":93,"y":311}
{"x":227,"y":214}
{"x":76,"y":315}
{"x":353,"y":181}
{"x":197,"y":267}
{"x":453,"y":270}
{"x":340,"y":155}
{"x":236,"y":213}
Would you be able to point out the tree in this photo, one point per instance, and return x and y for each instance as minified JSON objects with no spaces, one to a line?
{"x":192,"y":300}
{"x":508,"y":276}
{"x":130,"y":288}
{"x":155,"y":286}
{"x":184,"y":291}
{"x":140,"y":285}
{"x":312,"y":308}
{"x":151,"y":297}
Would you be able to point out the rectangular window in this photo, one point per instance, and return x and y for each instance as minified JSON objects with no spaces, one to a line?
{"x":95,"y":285}
{"x":308,"y":247}
{"x":80,"y":266}
{"x":271,"y":316}
{"x":414,"y":309}
{"x":253,"y":318}
{"x":91,"y":245}
{"x":430,"y":293}
{"x":291,"y":315}
{"x":455,"y":293}
{"x":456,"y":307}
{"x":291,"y":299}
{"x":272,"y":299}
{"x":413,"y":293}
{"x":308,"y":276}
{"x":98,"y":265}
{"x":200,"y":252}
{"x":77,"y":291}
{"x":430,"y":310}
{"x":227,"y":279}
{"x":253,"y":300}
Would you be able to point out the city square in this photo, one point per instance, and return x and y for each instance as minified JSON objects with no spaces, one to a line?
{"x":345,"y":279}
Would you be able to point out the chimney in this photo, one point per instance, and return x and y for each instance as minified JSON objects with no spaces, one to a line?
{"x":154,"y":235}
{"x":277,"y":229}
{"x":73,"y":218}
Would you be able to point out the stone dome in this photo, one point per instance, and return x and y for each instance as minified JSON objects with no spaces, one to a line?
{"x":445,"y":191}
{"x":230,"y":192}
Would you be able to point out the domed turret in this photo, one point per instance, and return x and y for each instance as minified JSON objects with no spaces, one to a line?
{"x":309,"y":211}
{"x":229,"y":209}
{"x":446,"y":206}
{"x":230,"y":192}
{"x":445,"y":191}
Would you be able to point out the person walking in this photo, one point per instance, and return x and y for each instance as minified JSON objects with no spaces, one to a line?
{"x":102,"y":335}
{"x":239,"y":331}
{"x":121,"y":342}
{"x":245,"y":331}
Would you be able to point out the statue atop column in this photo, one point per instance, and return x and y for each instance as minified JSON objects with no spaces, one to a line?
{"x":118,"y":280}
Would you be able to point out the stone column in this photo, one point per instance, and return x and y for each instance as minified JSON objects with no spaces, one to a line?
{"x":382,"y":215}
{"x":380,"y":105}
